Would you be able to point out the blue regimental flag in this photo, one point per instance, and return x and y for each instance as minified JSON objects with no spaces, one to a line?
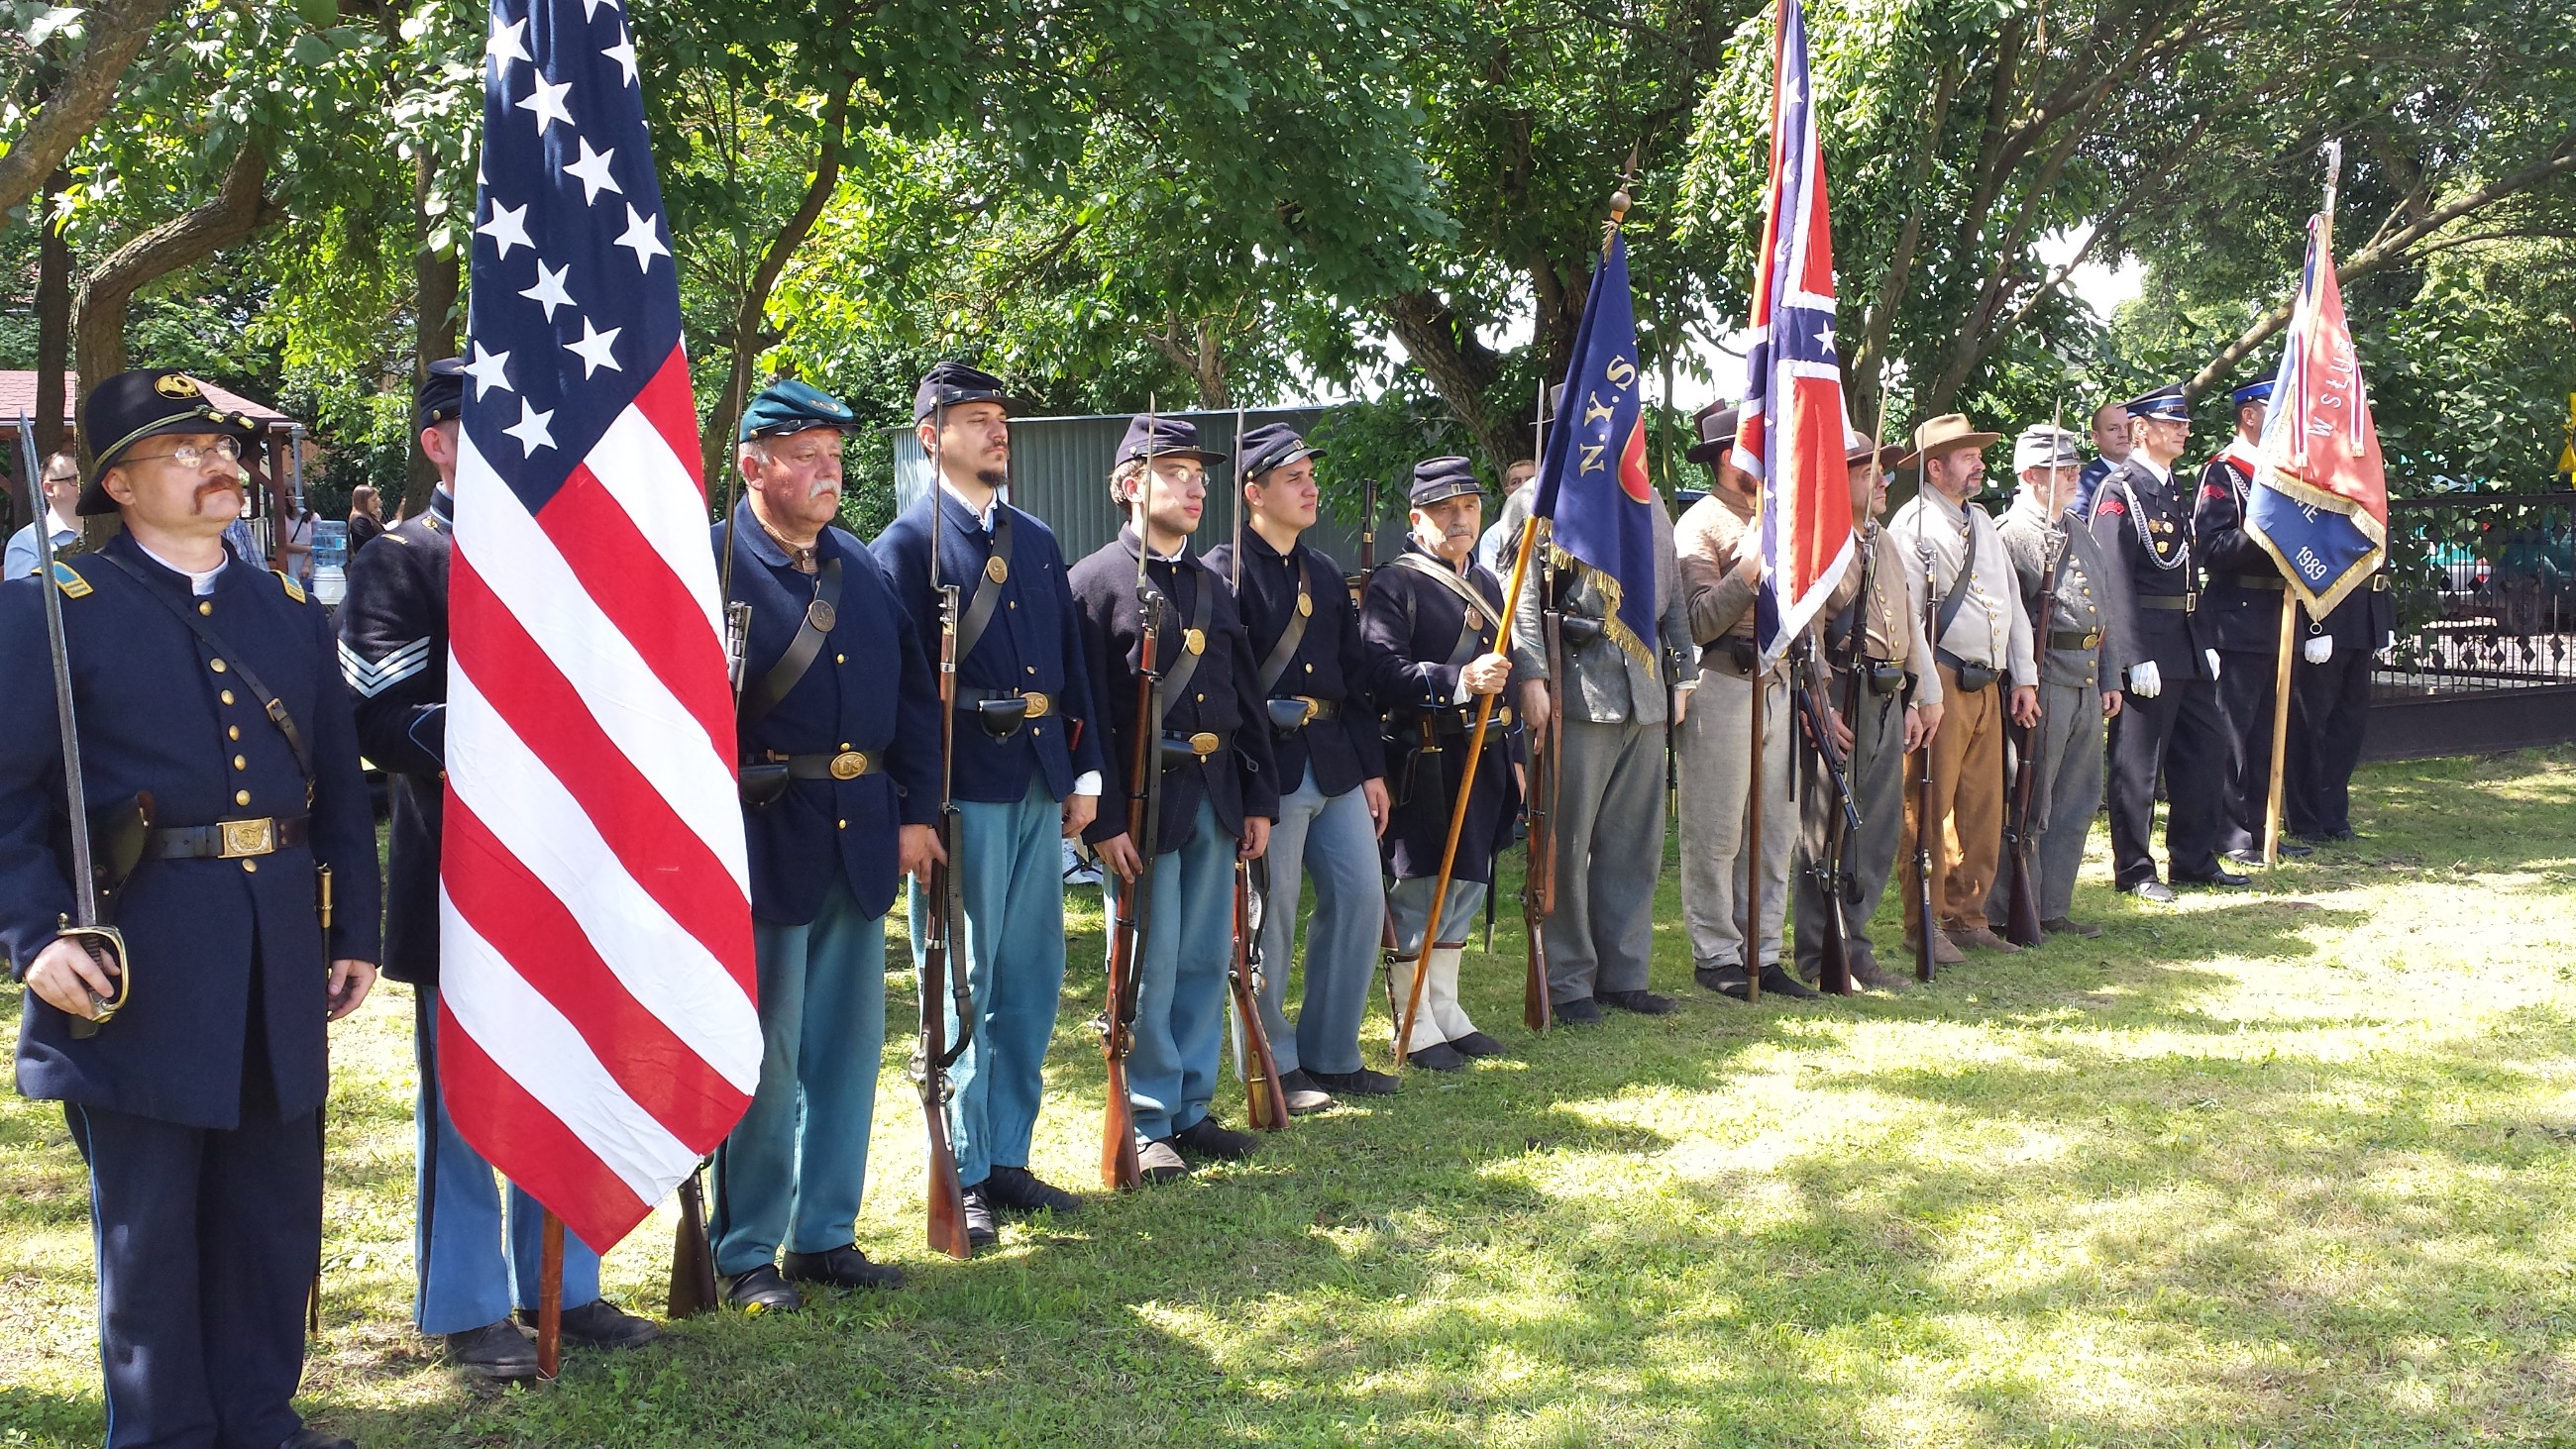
{"x":2319,"y":504}
{"x":1592,"y":485}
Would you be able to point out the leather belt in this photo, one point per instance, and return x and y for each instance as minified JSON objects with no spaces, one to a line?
{"x":1885,"y":676}
{"x":1203,"y":744}
{"x":827,"y":764}
{"x":228,"y":839}
{"x":1730,"y":654}
{"x":2074,"y":638}
{"x":2259,"y":581}
{"x":1318,"y":710}
{"x":2379,"y":583}
{"x":1041,"y":704}
{"x":2179,"y":603}
{"x":1462,"y":719}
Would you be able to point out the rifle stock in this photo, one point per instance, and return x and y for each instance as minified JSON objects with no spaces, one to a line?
{"x":1118,"y":1165}
{"x":693,"y":1263}
{"x":1833,"y":970}
{"x":2021,"y":917}
{"x":1265,"y":1098}
{"x":1927,"y":917}
{"x":1538,"y":884}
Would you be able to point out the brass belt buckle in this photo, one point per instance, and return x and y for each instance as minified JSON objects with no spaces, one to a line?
{"x":849,"y":764}
{"x":1204,"y":744}
{"x":1039,"y":705}
{"x":248,"y":837}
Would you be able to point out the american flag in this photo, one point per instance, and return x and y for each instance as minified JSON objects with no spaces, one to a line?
{"x":596,"y":1023}
{"x":1790,"y":432}
{"x":2319,"y":504}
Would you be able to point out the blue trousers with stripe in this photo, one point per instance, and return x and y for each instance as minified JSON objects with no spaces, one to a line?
{"x":207,"y":1244}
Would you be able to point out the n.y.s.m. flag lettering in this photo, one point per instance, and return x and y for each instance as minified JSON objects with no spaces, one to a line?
{"x":1592,"y":485}
{"x":1790,"y":434}
{"x":596,"y":1031}
{"x":2319,"y":504}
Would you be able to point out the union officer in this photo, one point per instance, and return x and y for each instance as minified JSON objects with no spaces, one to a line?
{"x":1436,"y":615}
{"x":1218,"y":795}
{"x":249,"y":918}
{"x":838,"y":728}
{"x":471,"y":1267}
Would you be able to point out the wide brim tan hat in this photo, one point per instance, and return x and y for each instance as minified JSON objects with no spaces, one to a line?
{"x":1947,"y":433}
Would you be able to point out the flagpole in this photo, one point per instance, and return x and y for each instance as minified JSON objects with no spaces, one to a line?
{"x":550,"y":1299}
{"x":2289,"y":596}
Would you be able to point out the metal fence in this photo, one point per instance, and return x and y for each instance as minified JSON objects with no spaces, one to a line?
{"x":2486,"y":593}
{"x":1060,"y":474}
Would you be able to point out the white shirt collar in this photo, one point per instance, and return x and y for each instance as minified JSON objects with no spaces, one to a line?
{"x":199,"y":584}
{"x":2149,"y":464}
{"x":983,"y":520}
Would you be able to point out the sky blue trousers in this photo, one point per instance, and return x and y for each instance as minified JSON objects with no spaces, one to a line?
{"x":791,"y":1172}
{"x":1010,"y":874}
{"x":1331,"y":839}
{"x":1180,"y":998}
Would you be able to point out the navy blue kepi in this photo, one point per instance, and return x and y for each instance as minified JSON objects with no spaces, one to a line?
{"x":1164,"y":438}
{"x":1272,"y":446}
{"x":1435,"y":479}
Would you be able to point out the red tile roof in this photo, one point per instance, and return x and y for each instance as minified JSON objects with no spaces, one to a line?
{"x":18,"y":395}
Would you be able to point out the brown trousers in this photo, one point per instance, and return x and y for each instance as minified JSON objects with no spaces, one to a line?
{"x":1967,"y":757}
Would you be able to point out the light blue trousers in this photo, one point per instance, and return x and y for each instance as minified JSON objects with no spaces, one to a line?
{"x":1180,"y":996}
{"x":1330,"y":837}
{"x":467,"y":1276}
{"x":792,"y":1171}
{"x":1010,"y":874}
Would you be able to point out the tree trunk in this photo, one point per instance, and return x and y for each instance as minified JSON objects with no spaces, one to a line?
{"x":53,"y":318}
{"x":1462,"y":370}
{"x":751,"y":311}
{"x":434,"y":288}
{"x":117,"y":31}
{"x":237,"y":210}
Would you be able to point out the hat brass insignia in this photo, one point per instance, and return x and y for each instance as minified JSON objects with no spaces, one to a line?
{"x":175,"y":384}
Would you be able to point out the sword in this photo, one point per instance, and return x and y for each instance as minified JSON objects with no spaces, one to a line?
{"x":83,"y":926}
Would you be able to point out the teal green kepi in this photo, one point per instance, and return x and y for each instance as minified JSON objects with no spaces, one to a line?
{"x":789,"y":406}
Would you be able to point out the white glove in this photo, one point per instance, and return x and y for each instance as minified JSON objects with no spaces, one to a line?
{"x":2319,"y":648}
{"x":2212,"y":656}
{"x":2144,"y":680}
{"x":2388,"y":643}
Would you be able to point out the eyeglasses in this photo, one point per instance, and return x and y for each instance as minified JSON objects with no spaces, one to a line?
{"x":51,"y":479}
{"x":188,"y":455}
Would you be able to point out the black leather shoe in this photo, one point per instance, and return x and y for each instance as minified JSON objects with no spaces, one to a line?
{"x":1644,"y":1003}
{"x":1581,"y":1011}
{"x":1728,"y":980}
{"x":2292,"y":847}
{"x":1303,"y":1094}
{"x":2152,"y":890}
{"x":1777,"y":982}
{"x":496,"y":1353}
{"x":1204,"y":1138}
{"x":842,"y":1268}
{"x":1440,"y":1056}
{"x":1362,"y":1083}
{"x":1018,"y":1190}
{"x":601,"y":1324}
{"x":1157,"y":1160}
{"x":1477,"y":1044}
{"x":309,"y":1437}
{"x":761,"y":1290}
{"x":980,"y":1231}
{"x":2222,"y":877}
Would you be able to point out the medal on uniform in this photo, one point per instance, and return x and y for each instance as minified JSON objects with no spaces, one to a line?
{"x":819,"y":616}
{"x":998,"y":569}
{"x":1305,"y":605}
{"x":1195,"y":641}
{"x":1475,"y":620}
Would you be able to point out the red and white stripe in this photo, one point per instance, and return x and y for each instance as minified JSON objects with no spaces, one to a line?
{"x":597,"y":1029}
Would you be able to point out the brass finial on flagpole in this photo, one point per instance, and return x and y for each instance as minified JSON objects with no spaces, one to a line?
{"x":1620,"y":200}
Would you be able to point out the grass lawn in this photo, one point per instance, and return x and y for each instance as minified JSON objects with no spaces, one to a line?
{"x":2288,"y":1166}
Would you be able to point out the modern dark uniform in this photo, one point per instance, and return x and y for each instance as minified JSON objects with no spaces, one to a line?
{"x":2330,"y":711}
{"x":1009,"y":792}
{"x":1216,"y":717}
{"x":857,"y":732}
{"x":2143,"y":524}
{"x":1420,"y":622}
{"x":1324,"y":828}
{"x":474,"y":1262}
{"x":197,"y":1107}
{"x":2240,"y":616}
